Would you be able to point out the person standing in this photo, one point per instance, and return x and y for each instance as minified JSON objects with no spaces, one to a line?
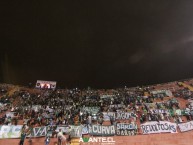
{"x":22,"y":138}
{"x":89,"y":119}
{"x":60,"y":136}
{"x":30,"y":132}
{"x":47,"y":140}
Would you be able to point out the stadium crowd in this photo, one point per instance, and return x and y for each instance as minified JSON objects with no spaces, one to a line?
{"x":47,"y":107}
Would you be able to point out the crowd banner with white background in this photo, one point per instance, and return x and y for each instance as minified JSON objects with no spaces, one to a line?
{"x":85,"y":129}
{"x":126,"y":129}
{"x":46,"y":84}
{"x":39,"y":131}
{"x":117,"y":115}
{"x":10,"y":114}
{"x":165,"y":92}
{"x":11,"y":131}
{"x":65,"y":129}
{"x":186,"y":126}
{"x":76,"y":131}
{"x":102,"y":130}
{"x":123,"y":115}
{"x":91,"y":110}
{"x":107,"y":115}
{"x":158,"y":127}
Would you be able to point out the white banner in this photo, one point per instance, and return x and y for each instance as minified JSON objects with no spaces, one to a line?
{"x":103,"y":130}
{"x":91,"y":110}
{"x":85,"y":129}
{"x":168,"y":92}
{"x":10,"y":114}
{"x":36,"y":108}
{"x":123,"y":115}
{"x":117,"y":106}
{"x":186,"y":126}
{"x":117,"y":115}
{"x":126,"y":126}
{"x":106,"y":96}
{"x":39,"y":131}
{"x":158,"y":127}
{"x":76,"y":131}
{"x":65,"y":129}
{"x":45,"y":84}
{"x":10,"y":131}
{"x":107,"y":115}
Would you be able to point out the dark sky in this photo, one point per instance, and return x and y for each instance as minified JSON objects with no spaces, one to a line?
{"x":102,"y":44}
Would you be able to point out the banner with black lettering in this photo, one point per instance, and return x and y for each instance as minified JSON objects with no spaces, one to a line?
{"x":39,"y":131}
{"x":117,"y":115}
{"x":123,"y":115}
{"x":101,"y":130}
{"x":15,"y":131}
{"x":186,"y":126}
{"x":158,"y":127}
{"x":126,"y":129}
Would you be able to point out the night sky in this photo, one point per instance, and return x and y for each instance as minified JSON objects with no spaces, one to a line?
{"x":101,"y":44}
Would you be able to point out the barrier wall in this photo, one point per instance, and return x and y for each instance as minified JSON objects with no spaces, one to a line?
{"x":185,"y":138}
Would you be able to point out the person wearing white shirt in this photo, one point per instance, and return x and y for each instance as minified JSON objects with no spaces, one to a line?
{"x":89,"y":119}
{"x":61,"y":137}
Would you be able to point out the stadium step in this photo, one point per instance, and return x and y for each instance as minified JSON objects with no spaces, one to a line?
{"x":186,"y":86}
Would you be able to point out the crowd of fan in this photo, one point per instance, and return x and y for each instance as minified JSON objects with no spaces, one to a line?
{"x":65,"y":106}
